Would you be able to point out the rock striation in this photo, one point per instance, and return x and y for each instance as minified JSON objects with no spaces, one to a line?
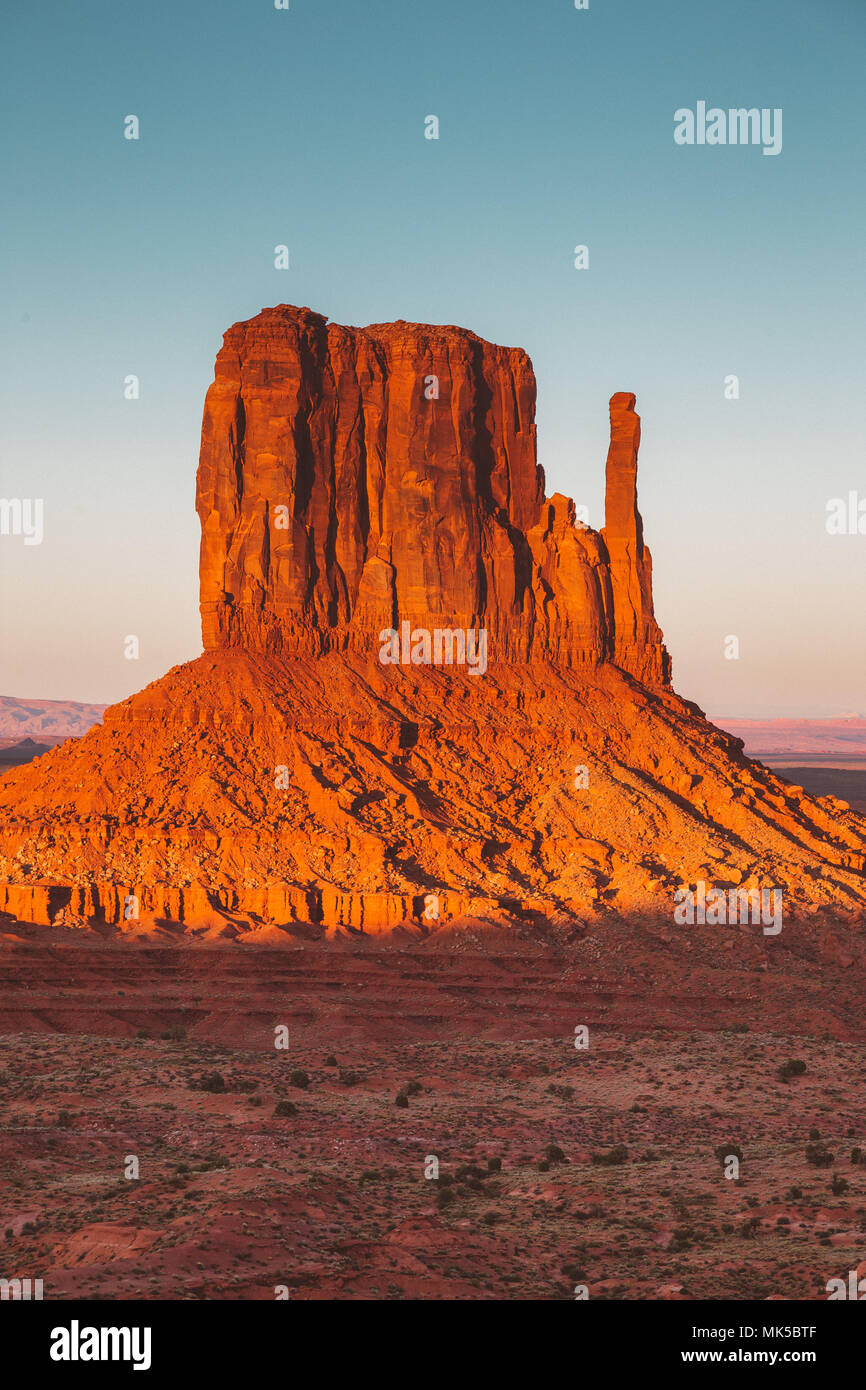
{"x":353,"y":479}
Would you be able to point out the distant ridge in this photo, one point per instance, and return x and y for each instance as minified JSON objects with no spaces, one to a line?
{"x":841,"y":736}
{"x":21,"y":718}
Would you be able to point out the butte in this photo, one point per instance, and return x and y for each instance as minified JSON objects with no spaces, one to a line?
{"x":352,"y":480}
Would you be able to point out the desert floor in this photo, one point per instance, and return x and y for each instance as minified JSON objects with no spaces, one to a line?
{"x":557,"y":1166}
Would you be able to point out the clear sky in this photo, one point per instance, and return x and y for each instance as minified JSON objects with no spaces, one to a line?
{"x":306,"y":127}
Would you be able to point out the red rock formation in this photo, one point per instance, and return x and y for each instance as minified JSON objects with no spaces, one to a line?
{"x":287,"y":776}
{"x":637,"y":639}
{"x":355,"y":479}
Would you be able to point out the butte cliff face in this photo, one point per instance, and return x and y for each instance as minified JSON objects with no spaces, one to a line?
{"x":355,"y":481}
{"x":352,"y":480}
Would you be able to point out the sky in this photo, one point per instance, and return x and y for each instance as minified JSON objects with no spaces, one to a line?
{"x":306,"y":127}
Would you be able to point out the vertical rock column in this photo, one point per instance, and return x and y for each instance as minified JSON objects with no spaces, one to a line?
{"x":637,"y":644}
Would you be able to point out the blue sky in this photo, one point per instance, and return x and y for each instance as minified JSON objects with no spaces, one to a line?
{"x":306,"y":127}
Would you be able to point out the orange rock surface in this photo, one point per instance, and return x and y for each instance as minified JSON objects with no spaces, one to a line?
{"x":352,"y":481}
{"x":403,"y":458}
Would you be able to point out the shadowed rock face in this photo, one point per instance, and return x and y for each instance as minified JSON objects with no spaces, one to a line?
{"x":352,"y":479}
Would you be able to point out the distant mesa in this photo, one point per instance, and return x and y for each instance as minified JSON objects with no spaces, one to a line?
{"x":34,"y":719}
{"x":14,"y":752}
{"x":844,"y":735}
{"x":351,"y":481}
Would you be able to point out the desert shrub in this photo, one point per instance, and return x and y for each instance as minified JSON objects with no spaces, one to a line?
{"x":285,"y":1108}
{"x":212,"y":1081}
{"x":444,"y":1197}
{"x":793,"y":1067}
{"x":64,"y":1120}
{"x":562,"y":1091}
{"x":725,"y":1151}
{"x":414,"y":1088}
{"x":300,"y":1079}
{"x":681,"y":1238}
{"x":468,"y":1170}
{"x":349,"y":1077}
{"x":401,"y":1100}
{"x":330,"y":1060}
{"x":618,"y":1154}
{"x":175,"y":1033}
{"x":819,"y":1156}
{"x":494,"y":1165}
{"x":839,"y":1185}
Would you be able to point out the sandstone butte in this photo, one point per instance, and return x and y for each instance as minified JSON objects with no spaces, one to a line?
{"x":286,"y":778}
